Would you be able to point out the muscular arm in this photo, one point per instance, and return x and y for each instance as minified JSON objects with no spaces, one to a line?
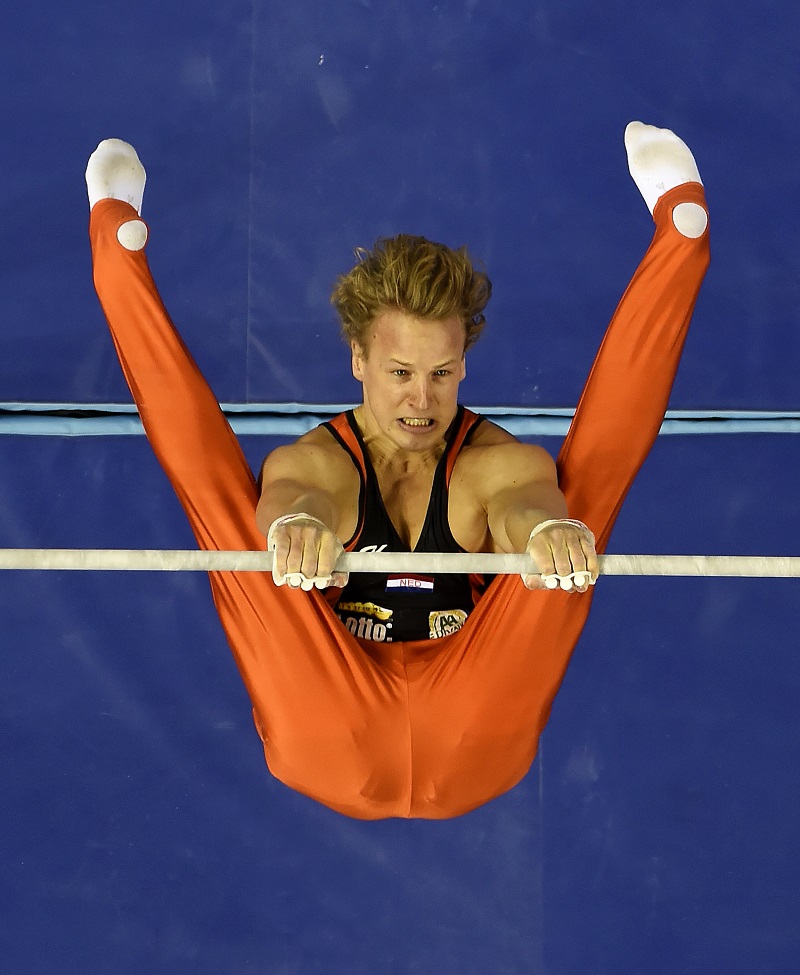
{"x":312,"y":479}
{"x":521,"y":492}
{"x":292,"y":480}
{"x":517,"y":486}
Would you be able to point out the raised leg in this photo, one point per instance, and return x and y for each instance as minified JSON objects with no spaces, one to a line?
{"x":623,"y":402}
{"x":333,"y":719}
{"x":479,"y":709}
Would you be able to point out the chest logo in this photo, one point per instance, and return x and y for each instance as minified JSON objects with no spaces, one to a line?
{"x":366,"y":620}
{"x":445,"y":622}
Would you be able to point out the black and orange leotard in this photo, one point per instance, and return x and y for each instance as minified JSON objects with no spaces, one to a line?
{"x":405,"y":606}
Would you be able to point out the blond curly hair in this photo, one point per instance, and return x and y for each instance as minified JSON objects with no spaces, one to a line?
{"x":416,"y":275}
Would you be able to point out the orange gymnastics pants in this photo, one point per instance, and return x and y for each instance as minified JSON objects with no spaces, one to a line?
{"x":430,"y":728}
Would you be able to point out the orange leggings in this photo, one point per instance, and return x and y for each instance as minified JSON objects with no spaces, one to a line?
{"x":429,"y":728}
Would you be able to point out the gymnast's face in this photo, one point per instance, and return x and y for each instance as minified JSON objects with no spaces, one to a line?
{"x":410,"y":369}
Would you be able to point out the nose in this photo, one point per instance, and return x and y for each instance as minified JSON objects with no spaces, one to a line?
{"x":421,"y":394}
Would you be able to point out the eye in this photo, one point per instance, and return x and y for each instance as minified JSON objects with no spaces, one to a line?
{"x":442,"y":372}
{"x":401,"y":373}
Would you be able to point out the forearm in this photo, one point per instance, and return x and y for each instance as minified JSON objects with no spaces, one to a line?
{"x":512,"y":518}
{"x":306,"y":549}
{"x":281,"y":499}
{"x":562,"y":551}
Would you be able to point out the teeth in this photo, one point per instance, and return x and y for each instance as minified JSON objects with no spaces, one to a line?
{"x":416,"y":422}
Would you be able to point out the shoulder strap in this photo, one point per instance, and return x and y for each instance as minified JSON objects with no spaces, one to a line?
{"x":465,"y":427}
{"x":343,"y":429}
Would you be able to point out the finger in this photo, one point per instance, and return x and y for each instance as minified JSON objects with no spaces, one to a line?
{"x":551,"y":553}
{"x":294,"y":549}
{"x":337,"y":579}
{"x":541,"y":551}
{"x":301,"y":559}
{"x":296,"y":558}
{"x":582,"y":581}
{"x":562,"y":556}
{"x":583,"y":560}
{"x":281,"y":551}
{"x":310,"y":540}
{"x":576,"y":547}
{"x":279,"y":575}
{"x":330,"y":548}
{"x":584,"y":557}
{"x":533,"y":582}
{"x":588,"y":579}
{"x":575,"y":582}
{"x":572,"y":582}
{"x":297,"y":580}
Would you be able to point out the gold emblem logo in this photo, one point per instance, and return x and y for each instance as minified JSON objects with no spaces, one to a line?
{"x":445,"y":622}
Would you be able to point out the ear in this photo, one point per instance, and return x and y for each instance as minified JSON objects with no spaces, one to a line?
{"x":463,"y":367}
{"x":357,"y":357}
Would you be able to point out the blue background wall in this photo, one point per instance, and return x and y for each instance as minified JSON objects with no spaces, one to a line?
{"x":140,"y":829}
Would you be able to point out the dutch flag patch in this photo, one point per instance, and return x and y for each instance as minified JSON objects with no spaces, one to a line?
{"x":409,"y":583}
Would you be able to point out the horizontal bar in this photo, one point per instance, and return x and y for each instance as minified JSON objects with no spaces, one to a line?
{"x":156,"y":560}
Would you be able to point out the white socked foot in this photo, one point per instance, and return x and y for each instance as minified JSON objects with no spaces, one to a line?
{"x":658,"y":161}
{"x":115,"y":172}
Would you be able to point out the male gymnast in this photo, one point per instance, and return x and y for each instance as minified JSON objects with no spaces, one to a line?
{"x":407,"y":695}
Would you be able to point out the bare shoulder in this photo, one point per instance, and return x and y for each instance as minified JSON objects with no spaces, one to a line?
{"x":315,"y":459}
{"x":495,"y":459}
{"x":490,"y":434}
{"x":314,"y":474}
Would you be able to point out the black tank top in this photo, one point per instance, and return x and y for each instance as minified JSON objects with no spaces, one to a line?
{"x":404,"y":606}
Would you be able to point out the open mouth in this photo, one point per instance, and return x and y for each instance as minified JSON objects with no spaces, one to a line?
{"x":416,"y":422}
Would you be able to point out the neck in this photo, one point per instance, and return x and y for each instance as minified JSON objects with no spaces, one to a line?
{"x":387,"y":455}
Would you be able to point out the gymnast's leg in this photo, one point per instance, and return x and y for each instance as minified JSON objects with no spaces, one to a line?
{"x":327,"y":712}
{"x":623,"y":402}
{"x":492,"y":690}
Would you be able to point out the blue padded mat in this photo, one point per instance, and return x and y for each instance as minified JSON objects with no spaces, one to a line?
{"x":143,"y":830}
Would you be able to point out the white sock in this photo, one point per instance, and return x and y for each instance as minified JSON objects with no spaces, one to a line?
{"x":658,"y":161}
{"x":115,"y":172}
